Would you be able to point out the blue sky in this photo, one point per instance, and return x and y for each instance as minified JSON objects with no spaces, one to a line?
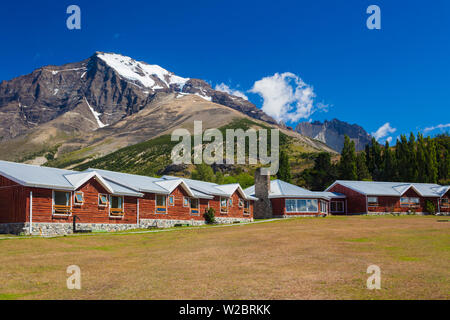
{"x":398,"y":75}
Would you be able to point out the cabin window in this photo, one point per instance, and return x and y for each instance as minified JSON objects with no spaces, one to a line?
{"x":160,"y":203}
{"x":171,"y":201}
{"x":116,"y":205}
{"x":372,"y":201}
{"x":337,"y":206}
{"x":301,"y":205}
{"x":185,"y":202}
{"x":444,"y":203}
{"x":223,"y":205}
{"x":409,"y":202}
{"x":230,"y":202}
{"x":241,"y":203}
{"x":247,"y":207}
{"x":61,"y":202}
{"x":78,"y":198}
{"x":194,"y":206}
{"x":102,"y":200}
{"x":323,"y":206}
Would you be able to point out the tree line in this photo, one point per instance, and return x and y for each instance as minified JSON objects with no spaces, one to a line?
{"x":417,"y":159}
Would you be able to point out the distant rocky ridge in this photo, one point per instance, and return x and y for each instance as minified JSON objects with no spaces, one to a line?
{"x":332,"y":133}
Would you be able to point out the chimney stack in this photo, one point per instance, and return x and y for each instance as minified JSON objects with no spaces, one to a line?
{"x":263,"y":207}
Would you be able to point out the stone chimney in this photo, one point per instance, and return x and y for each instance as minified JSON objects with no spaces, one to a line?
{"x":263,"y":207}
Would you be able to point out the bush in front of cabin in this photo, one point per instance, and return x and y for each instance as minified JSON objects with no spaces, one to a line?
{"x":209,"y":216}
{"x":429,"y":207}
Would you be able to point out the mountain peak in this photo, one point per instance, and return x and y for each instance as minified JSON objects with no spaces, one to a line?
{"x":332,"y":133}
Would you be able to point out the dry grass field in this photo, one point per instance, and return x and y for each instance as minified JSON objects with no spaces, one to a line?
{"x":304,"y":258}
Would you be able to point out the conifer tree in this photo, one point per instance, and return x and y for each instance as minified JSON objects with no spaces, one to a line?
{"x":361,"y":167}
{"x":421,"y":159}
{"x":389,"y":170}
{"x":347,"y":164}
{"x":431,"y":157}
{"x":412,"y":155}
{"x":284,"y":170}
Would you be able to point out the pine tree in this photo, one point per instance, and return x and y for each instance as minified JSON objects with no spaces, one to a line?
{"x":402,"y":155}
{"x":284,"y":170}
{"x":421,"y":159}
{"x":431,"y":157}
{"x":412,"y":155}
{"x":361,"y":167}
{"x":347,"y":164}
{"x":388,"y":172}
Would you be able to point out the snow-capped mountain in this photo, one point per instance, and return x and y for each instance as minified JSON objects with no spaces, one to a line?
{"x":103,"y":89}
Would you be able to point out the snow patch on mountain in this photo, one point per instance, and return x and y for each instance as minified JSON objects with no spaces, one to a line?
{"x":96,"y":115}
{"x":141,"y":71}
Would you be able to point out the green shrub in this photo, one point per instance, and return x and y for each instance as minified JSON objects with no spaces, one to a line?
{"x":209,"y":216}
{"x":429,"y":207}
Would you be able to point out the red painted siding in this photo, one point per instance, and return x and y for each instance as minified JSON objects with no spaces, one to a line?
{"x":88,"y":212}
{"x":13,"y":201}
{"x":356,"y":202}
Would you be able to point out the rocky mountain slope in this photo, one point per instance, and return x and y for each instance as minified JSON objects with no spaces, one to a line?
{"x":332,"y":133}
{"x":81,"y":111}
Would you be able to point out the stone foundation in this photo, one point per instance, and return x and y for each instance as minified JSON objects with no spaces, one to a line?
{"x":51,"y":229}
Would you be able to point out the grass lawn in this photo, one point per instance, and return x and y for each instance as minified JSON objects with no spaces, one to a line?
{"x":303,"y":258}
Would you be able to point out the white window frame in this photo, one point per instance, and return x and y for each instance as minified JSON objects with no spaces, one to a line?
{"x":186,"y":203}
{"x":75,"y":203}
{"x":168,"y":200}
{"x":107,"y":200}
{"x":53,"y":203}
{"x":245,"y":207}
{"x":323,"y":204}
{"x":110,"y":207}
{"x":156,"y":203}
{"x":220,"y":205}
{"x":296,"y":207}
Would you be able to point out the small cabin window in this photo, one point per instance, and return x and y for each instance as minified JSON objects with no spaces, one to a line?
{"x":372,"y":201}
{"x":194,"y":206}
{"x":79,"y":198}
{"x":444,"y":203}
{"x":337,"y":206}
{"x":241,"y":203}
{"x":323,"y":206}
{"x":161,"y":203}
{"x":409,"y":202}
{"x":230,"y":202}
{"x":223,"y":205}
{"x":185,"y":202}
{"x":171,"y":200}
{"x":246,"y":207}
{"x":116,"y":205}
{"x":102,"y":200}
{"x":61,"y":202}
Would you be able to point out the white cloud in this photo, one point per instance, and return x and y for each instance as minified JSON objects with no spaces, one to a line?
{"x":286,"y":97}
{"x":384,"y":131}
{"x":439,"y":126}
{"x":389,"y":139}
{"x":224,"y":88}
